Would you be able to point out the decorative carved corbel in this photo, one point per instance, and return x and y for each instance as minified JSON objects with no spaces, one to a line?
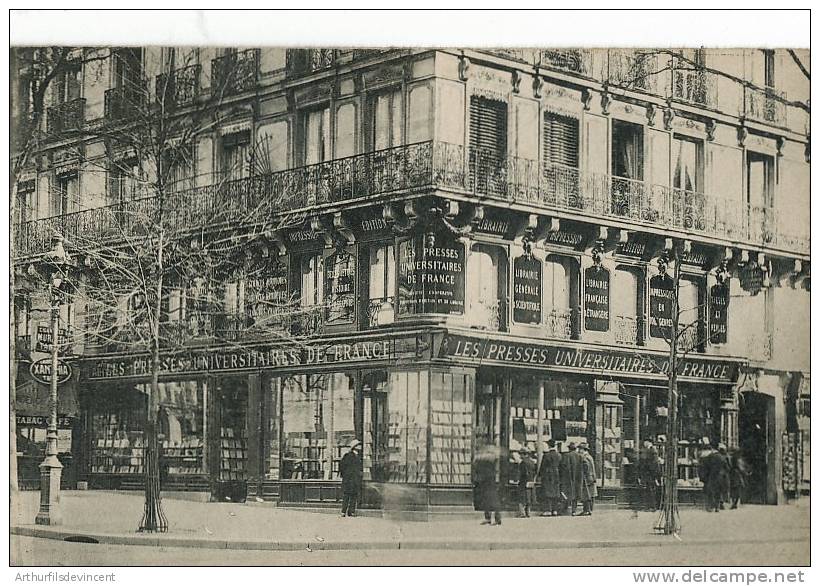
{"x":343,"y":228}
{"x":668,"y":117}
{"x":781,"y":143}
{"x":651,"y":112}
{"x":276,"y":241}
{"x":463,"y":68}
{"x":742,"y":135}
{"x":711,"y":127}
{"x":586,"y":98}
{"x":527,"y":228}
{"x":537,"y":85}
{"x":606,"y":102}
{"x":516,"y":82}
{"x":318,"y":226}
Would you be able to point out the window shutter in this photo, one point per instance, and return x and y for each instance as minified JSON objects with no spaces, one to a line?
{"x":560,"y":140}
{"x":488,"y":127}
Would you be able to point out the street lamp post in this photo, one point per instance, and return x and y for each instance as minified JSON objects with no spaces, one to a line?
{"x":56,"y":263}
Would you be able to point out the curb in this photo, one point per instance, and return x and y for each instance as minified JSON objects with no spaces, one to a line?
{"x":294,"y":545}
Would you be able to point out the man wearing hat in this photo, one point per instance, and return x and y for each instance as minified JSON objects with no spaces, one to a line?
{"x":523,"y":471}
{"x":589,"y":490}
{"x":351,"y":470}
{"x":550,"y":476}
{"x":571,"y":476}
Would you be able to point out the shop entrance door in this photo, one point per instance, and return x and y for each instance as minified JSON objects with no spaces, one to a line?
{"x":375,"y":436}
{"x":488,"y":418}
{"x":757,"y":443}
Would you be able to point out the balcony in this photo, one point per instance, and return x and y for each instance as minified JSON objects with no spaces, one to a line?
{"x":234,"y":73}
{"x":415,"y":168}
{"x":580,"y":61}
{"x":694,"y":86}
{"x":767,"y":106}
{"x":759,"y":347}
{"x":633,"y":69}
{"x":124,"y":103}
{"x":488,"y":314}
{"x":626,"y":329}
{"x":180,"y":88}
{"x":66,"y":116}
{"x":559,"y":324}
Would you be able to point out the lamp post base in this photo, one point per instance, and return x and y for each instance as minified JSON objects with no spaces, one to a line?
{"x":50,"y":513}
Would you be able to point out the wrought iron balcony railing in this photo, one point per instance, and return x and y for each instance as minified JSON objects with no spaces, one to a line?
{"x":696,"y":86}
{"x":765,"y":105}
{"x":627,"y":329}
{"x":234,"y":73}
{"x":66,"y":116}
{"x":380,"y":311}
{"x":559,"y":323}
{"x":178,"y":88}
{"x":488,"y":314}
{"x":123,"y":103}
{"x":633,"y":69}
{"x":416,"y":167}
{"x":580,"y":61}
{"x":759,"y":347}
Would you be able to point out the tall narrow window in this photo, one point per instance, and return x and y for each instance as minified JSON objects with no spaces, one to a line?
{"x":387,"y":117}
{"x":67,"y":85}
{"x":317,"y":136}
{"x":23,"y":211}
{"x":690,"y":327}
{"x":768,"y":68}
{"x":382,"y":287}
{"x":487,"y":278}
{"x":236,"y":161}
{"x":627,"y":150}
{"x":688,"y":155}
{"x":488,"y":144}
{"x":560,"y":140}
{"x":66,"y":193}
{"x":310,"y":293}
{"x":128,"y":68}
{"x":124,"y":180}
{"x":558,"y":298}
{"x":625,"y":307}
{"x":759,"y":179}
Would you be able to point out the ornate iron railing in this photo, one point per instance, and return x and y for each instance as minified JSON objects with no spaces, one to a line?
{"x":626,"y":329}
{"x":375,"y":307}
{"x":759,"y":347}
{"x":234,"y":72}
{"x":693,"y":85}
{"x":66,"y":116}
{"x":559,"y":323}
{"x":178,"y":88}
{"x":123,"y":103}
{"x":425,"y":165}
{"x":580,"y":61}
{"x":633,"y":69}
{"x":488,"y":314}
{"x":765,"y":105}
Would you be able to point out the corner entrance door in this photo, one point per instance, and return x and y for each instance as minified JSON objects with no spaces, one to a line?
{"x":376,"y":429}
{"x":757,"y":445}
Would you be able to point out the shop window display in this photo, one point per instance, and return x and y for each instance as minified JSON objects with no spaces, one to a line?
{"x":181,"y":425}
{"x":317,"y":424}
{"x":117,"y":427}
{"x":233,"y":442}
{"x":451,"y":407}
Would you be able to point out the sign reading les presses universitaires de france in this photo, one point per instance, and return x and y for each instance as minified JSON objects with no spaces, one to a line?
{"x":431,"y":274}
{"x":592,"y":361}
{"x":661,"y":302}
{"x":527,"y":290}
{"x":596,"y":299}
{"x":718,"y":313}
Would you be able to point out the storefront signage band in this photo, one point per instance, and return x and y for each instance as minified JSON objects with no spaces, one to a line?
{"x":41,"y":421}
{"x":576,"y":359}
{"x":40,"y":371}
{"x":256,"y":358}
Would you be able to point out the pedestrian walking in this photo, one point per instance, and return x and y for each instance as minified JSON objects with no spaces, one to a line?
{"x":738,"y":472}
{"x":549,"y":475}
{"x":523,"y":476}
{"x":571,"y":477}
{"x":724,"y":475}
{"x":589,"y":480}
{"x":712,"y":471}
{"x":350,"y":468}
{"x":485,"y":487}
{"x":649,"y":476}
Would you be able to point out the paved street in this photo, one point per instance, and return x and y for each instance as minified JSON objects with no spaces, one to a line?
{"x":33,"y":551}
{"x":760,"y":534}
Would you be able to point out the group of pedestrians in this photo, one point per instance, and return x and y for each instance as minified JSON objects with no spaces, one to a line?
{"x":564,"y":480}
{"x":723,"y":474}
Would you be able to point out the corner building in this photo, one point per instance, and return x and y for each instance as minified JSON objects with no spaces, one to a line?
{"x":478,"y":264}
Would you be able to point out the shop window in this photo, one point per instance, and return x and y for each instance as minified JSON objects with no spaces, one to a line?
{"x":317,"y":424}
{"x":487,"y":274}
{"x":117,"y":426}
{"x":317,"y":136}
{"x":395,"y":426}
{"x":232,"y":397}
{"x":65,"y":197}
{"x":451,"y":410}
{"x":627,"y":150}
{"x":386,"y":120}
{"x":381,"y":284}
{"x":559,"y":282}
{"x":236,"y":156}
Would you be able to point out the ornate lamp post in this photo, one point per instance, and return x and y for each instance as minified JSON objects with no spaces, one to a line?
{"x":55,"y":267}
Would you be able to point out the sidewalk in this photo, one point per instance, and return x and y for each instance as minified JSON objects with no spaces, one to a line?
{"x":112,"y":517}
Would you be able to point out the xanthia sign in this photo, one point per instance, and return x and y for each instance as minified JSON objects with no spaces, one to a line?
{"x":40,"y":371}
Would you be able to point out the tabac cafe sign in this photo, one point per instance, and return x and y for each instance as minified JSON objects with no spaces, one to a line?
{"x":256,"y":358}
{"x":611,"y":362}
{"x":40,"y":371}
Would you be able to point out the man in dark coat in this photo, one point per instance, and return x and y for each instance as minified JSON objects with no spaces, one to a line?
{"x":523,"y":472}
{"x":589,"y":480}
{"x":649,"y":476}
{"x":737,"y":476}
{"x":572,"y":477}
{"x":713,"y":472}
{"x":485,"y":487}
{"x":550,"y":476}
{"x":350,"y":469}
{"x":725,"y":473}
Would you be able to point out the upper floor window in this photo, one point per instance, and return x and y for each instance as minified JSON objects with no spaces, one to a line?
{"x":488,"y":128}
{"x":317,"y":136}
{"x":759,"y":179}
{"x":66,"y":193}
{"x":124,"y":180}
{"x":24,"y":208}
{"x":67,"y":85}
{"x":560,"y":140}
{"x":627,"y":150}
{"x":311,"y":268}
{"x":180,"y":165}
{"x":768,"y":68}
{"x":128,"y":69}
{"x":688,"y":155}
{"x":386,"y":119}
{"x":236,"y":163}
{"x":382,"y":279}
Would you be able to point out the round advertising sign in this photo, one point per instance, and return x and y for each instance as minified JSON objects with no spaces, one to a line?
{"x":40,"y":371}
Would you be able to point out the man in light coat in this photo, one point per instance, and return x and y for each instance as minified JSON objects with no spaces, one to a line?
{"x":589,"y":481}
